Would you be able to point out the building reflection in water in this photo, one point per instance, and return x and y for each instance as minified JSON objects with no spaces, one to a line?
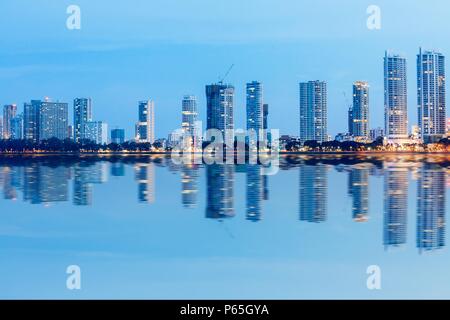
{"x":189,"y":189}
{"x":395,"y":204}
{"x":11,"y":181}
{"x":220,"y":184}
{"x":431,"y":207}
{"x":117,"y":169}
{"x":313,"y":193}
{"x":45,"y":184}
{"x":358,"y":189}
{"x":49,"y":181}
{"x":145,"y":177}
{"x":254,"y":192}
{"x":85,"y":176}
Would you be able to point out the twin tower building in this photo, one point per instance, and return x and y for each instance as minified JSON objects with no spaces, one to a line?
{"x":430,"y":102}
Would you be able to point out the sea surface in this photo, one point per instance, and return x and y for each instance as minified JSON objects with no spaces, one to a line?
{"x":146,"y":227}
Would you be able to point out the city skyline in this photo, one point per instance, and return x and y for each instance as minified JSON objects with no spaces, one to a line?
{"x":91,"y":55}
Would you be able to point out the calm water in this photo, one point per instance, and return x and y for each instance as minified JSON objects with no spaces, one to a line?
{"x":143,"y":227}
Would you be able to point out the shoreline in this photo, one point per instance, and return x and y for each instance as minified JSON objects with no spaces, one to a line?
{"x":282,"y":153}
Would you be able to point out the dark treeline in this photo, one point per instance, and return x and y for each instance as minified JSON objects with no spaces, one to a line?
{"x":68,"y":145}
{"x":335,"y":145}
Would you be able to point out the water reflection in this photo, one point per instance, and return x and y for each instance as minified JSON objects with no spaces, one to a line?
{"x":46,"y":180}
{"x":431,"y":208}
{"x":313,"y":193}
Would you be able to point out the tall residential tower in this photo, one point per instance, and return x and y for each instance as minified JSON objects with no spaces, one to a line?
{"x":82,"y":113}
{"x":220,"y":107}
{"x":313,"y":111}
{"x":145,"y":128}
{"x":431,"y":95}
{"x":360,"y":111}
{"x":395,"y":98}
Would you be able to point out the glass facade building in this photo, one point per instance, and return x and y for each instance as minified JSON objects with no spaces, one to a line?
{"x":360,"y":111}
{"x":313,"y":111}
{"x":145,"y":128}
{"x":395,"y":98}
{"x":82,"y":113}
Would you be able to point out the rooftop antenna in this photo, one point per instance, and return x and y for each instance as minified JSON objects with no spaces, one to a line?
{"x":226,"y":74}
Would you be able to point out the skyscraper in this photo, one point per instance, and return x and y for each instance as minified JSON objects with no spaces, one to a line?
{"x":265,"y":116}
{"x":146,"y":125}
{"x":9,"y":112}
{"x":17,"y":127}
{"x":255,"y":112}
{"x":53,"y":120}
{"x":395,"y":98}
{"x":96,"y":131}
{"x":360,"y":111}
{"x":31,"y":120}
{"x":118,"y":136}
{"x":350,"y":120}
{"x":82,"y":113}
{"x":188,"y":118}
{"x":220,"y":107}
{"x":431,"y":95}
{"x":313,"y":111}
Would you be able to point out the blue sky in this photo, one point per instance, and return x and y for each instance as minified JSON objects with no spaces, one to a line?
{"x":131,"y":50}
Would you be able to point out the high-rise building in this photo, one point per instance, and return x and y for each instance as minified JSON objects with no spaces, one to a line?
{"x":1,"y":127}
{"x":31,"y":120}
{"x":313,"y":111}
{"x":146,"y":124}
{"x":350,"y":120}
{"x":17,"y":127}
{"x":395,"y":98}
{"x":265,"y":116}
{"x":376,"y":133}
{"x":82,"y":113}
{"x":9,"y":112}
{"x":360,"y":112}
{"x":431,"y":95}
{"x":188,"y":120}
{"x":96,"y":131}
{"x":220,"y":107}
{"x":70,"y":131}
{"x":255,"y":112}
{"x":53,"y":120}
{"x":118,"y":136}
